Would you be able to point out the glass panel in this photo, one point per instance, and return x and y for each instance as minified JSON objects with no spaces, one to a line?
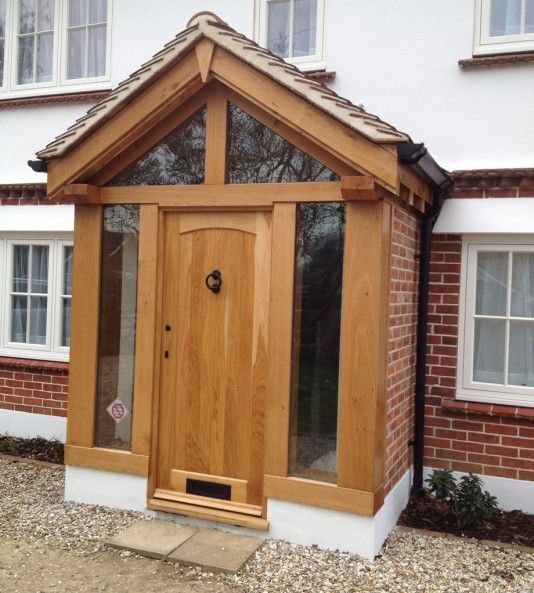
{"x":45,"y":43}
{"x":39,"y":283}
{"x":505,"y":17}
{"x":492,"y":279}
{"x":3,"y":4}
{"x":118,"y":302}
{"x":529,"y":17}
{"x":21,"y":254}
{"x":19,"y":318}
{"x":76,"y":55}
{"x":1,"y":62}
{"x":278,"y":27}
{"x":521,"y":356}
{"x":316,"y":331}
{"x":256,"y":154}
{"x":77,"y":12}
{"x":488,"y":352}
{"x":65,"y":322}
{"x":27,"y":16}
{"x":66,"y":287}
{"x":304,"y":27}
{"x":522,"y":304}
{"x":25,"y":59}
{"x":98,"y":11}
{"x":45,"y":15}
{"x":96,"y":57}
{"x":177,"y":160}
{"x":38,"y":320}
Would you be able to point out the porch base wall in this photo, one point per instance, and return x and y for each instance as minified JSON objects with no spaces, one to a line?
{"x":297,"y":523}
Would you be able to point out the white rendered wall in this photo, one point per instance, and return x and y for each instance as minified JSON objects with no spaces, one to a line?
{"x":296,"y":523}
{"x":399,"y":59}
{"x":29,"y":425}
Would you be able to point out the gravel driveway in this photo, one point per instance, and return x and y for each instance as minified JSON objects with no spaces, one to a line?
{"x":48,"y":546}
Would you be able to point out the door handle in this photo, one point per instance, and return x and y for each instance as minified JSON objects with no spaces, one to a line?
{"x":214,"y":281}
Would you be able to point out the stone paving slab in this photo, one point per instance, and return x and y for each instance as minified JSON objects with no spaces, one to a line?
{"x":155,"y":539}
{"x":216,"y":551}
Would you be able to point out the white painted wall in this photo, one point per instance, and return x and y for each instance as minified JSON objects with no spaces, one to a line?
{"x":28,"y":425}
{"x":397,"y":58}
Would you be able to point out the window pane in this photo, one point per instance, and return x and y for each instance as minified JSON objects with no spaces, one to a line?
{"x":522,"y":304}
{"x":19,"y":316}
{"x":118,"y":302}
{"x":77,"y":12}
{"x":45,"y":15}
{"x":65,"y":322}
{"x":38,"y":320}
{"x":98,"y":11}
{"x":256,"y":154}
{"x":521,"y":357}
{"x":505,"y":17}
{"x":316,"y":325}
{"x":96,"y":58}
{"x":25,"y":59}
{"x":3,"y":4}
{"x":27,"y":16}
{"x":1,"y":62}
{"x":488,"y":352}
{"x":177,"y":160}
{"x":76,"y":55}
{"x":304,"y":27}
{"x":39,"y":269}
{"x":45,"y":43}
{"x":492,"y":279}
{"x":21,"y":255}
{"x":529,"y":16}
{"x":278,"y":27}
{"x":66,"y":287}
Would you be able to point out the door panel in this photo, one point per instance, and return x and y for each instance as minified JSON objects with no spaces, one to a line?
{"x":213,"y":370}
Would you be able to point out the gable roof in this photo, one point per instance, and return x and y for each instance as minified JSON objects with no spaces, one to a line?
{"x":208,"y":25}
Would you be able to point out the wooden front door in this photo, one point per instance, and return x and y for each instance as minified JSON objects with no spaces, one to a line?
{"x":216,"y":269}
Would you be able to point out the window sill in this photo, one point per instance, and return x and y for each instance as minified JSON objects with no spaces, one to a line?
{"x":496,"y":410}
{"x":495,"y":61}
{"x":70,"y":97}
{"x":37,"y":365}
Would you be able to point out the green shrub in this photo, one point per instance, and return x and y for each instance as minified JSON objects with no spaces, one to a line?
{"x":442,"y":484}
{"x":472,"y":503}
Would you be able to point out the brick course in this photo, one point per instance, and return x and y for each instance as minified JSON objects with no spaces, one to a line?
{"x":401,"y":344}
{"x":35,"y":386}
{"x":466,"y":436}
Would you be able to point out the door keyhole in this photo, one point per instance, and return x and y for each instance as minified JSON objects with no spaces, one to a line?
{"x":214,"y":281}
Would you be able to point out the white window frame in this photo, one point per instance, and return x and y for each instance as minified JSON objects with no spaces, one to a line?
{"x":305,"y":63}
{"x":484,"y":44}
{"x":467,"y":389}
{"x":52,"y":349}
{"x":59,"y":84}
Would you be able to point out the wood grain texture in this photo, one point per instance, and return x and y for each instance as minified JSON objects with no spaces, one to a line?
{"x":280,"y":336}
{"x":129,"y":124}
{"x":216,"y":132}
{"x":358,"y":187}
{"x":84,"y":326}
{"x":319,"y":494}
{"x":310,"y":121}
{"x":145,"y":329}
{"x":204,"y":51}
{"x":79,"y":193}
{"x":210,"y":503}
{"x":239,"y":487}
{"x":213,"y":380}
{"x":110,"y":460}
{"x":364,"y":318}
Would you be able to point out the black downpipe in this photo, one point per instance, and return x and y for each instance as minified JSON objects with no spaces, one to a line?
{"x":422,"y":331}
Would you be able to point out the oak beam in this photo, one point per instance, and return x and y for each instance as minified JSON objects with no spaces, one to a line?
{"x":80,"y":193}
{"x":355,"y":188}
{"x":204,"y":51}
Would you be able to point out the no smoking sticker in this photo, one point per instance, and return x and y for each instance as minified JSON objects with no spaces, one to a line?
{"x":117,"y":410}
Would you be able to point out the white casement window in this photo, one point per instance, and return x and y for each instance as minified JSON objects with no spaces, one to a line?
{"x":293,"y":30}
{"x":504,"y":26}
{"x":54,"y":46}
{"x":496,"y":333}
{"x":35,"y":297}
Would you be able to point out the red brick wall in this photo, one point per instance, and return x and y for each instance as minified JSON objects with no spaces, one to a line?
{"x":34,"y":386}
{"x":485,"y":439}
{"x":401,"y":344}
